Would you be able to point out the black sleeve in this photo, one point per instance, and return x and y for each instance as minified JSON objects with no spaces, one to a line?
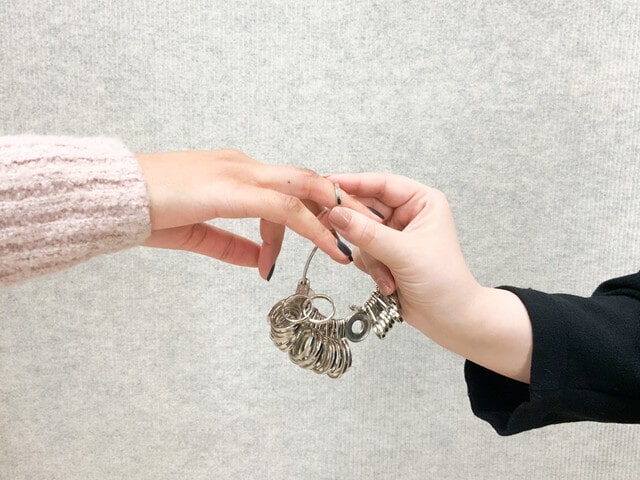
{"x":585,"y":362}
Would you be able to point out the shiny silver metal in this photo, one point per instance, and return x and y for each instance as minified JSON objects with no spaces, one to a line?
{"x":319,"y":342}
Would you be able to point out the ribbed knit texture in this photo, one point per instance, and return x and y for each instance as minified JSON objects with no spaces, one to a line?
{"x":64,"y":200}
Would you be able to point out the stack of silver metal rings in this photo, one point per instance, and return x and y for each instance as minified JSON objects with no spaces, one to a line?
{"x":311,"y":340}
{"x":320,"y":342}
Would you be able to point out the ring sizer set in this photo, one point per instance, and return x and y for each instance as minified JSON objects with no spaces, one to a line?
{"x":320,"y":342}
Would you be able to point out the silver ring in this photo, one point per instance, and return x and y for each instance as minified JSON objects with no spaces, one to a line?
{"x":307,"y":309}
{"x":287,"y":310}
{"x":336,"y":188}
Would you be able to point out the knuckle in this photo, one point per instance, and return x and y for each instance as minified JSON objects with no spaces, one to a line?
{"x":367,"y":235}
{"x":195,"y":238}
{"x":228,"y":250}
{"x":438,"y":195}
{"x":292,"y":205}
{"x":308,"y":173}
{"x":308,"y":181}
{"x":232,"y":154}
{"x":433,"y":199}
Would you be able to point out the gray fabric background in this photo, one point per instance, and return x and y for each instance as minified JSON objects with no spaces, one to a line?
{"x":152,"y":364}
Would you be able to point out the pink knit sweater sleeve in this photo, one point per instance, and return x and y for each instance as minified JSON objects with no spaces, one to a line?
{"x":64,"y":200}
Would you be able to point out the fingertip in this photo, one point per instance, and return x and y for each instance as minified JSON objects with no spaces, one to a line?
{"x":266,"y":262}
{"x":376,"y":213}
{"x":380,"y":274}
{"x":386,"y":286}
{"x":344,"y":248}
{"x":270,"y":274}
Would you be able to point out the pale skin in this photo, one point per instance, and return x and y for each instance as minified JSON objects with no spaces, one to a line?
{"x":417,"y":253}
{"x":187,"y":189}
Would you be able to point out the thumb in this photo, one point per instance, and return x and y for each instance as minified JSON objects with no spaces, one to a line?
{"x":370,"y":236}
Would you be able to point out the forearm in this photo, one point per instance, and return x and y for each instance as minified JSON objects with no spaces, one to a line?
{"x":584,"y":362}
{"x":492,"y":329}
{"x":503,"y":341}
{"x":64,"y":200}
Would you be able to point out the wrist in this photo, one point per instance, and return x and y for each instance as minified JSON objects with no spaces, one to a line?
{"x":488,"y":326}
{"x":148,"y":166}
{"x":450,"y":314}
{"x":498,"y":335}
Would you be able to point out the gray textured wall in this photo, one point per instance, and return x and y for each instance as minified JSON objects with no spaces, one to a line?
{"x":157,"y":365}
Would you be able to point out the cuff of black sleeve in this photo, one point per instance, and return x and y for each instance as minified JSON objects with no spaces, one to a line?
{"x":511,"y":406}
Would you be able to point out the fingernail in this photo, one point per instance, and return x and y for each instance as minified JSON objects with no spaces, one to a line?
{"x":384,"y":286}
{"x":376,"y":212}
{"x":340,"y":217}
{"x":271,"y":272}
{"x":346,"y":250}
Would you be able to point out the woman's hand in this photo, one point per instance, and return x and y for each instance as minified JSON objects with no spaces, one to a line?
{"x":188,"y":188}
{"x":418,"y":253}
{"x":419,"y":243}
